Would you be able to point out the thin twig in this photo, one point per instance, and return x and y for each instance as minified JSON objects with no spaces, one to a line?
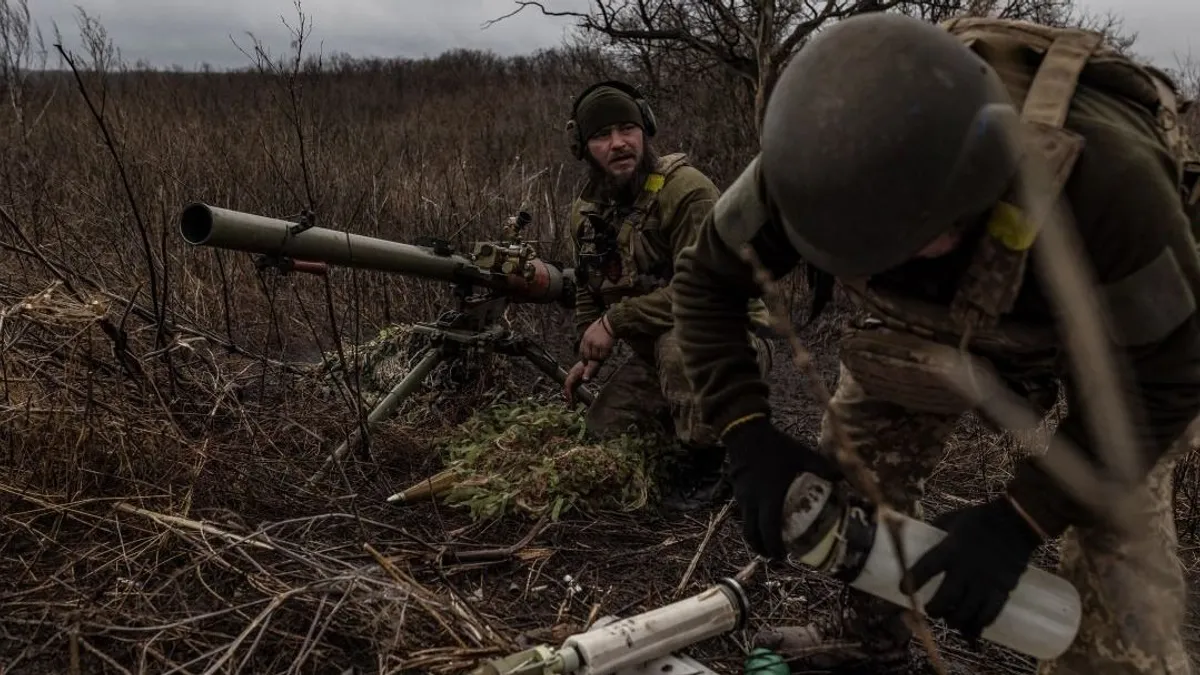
{"x":848,"y":458}
{"x":713,"y":524}
{"x":167,"y":519}
{"x":507,"y":551}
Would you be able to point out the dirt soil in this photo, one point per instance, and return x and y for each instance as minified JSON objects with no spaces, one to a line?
{"x":619,"y":564}
{"x":222,"y":559}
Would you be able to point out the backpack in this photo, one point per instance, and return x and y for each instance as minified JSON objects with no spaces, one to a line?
{"x":1081,"y":55}
{"x":1056,"y":60}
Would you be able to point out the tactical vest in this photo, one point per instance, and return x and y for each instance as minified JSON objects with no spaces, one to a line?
{"x":994,"y":278}
{"x":625,"y":258}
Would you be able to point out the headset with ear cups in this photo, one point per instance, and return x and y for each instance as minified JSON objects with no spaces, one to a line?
{"x":576,"y":144}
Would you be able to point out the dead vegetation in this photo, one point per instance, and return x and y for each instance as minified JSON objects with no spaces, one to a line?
{"x":163,"y":407}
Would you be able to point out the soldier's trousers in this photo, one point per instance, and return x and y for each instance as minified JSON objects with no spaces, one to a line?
{"x":650,"y":391}
{"x":1132,"y":589}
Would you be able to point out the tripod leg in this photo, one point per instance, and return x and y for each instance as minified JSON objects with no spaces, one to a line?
{"x":431,"y":358}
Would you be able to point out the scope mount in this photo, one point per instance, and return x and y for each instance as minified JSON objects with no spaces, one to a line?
{"x":305,"y":220}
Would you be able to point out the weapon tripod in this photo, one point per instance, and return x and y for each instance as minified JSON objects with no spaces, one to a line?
{"x":473,"y":328}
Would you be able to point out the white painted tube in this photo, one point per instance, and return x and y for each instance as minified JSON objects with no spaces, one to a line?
{"x":1040,"y":619}
{"x":628,"y":643}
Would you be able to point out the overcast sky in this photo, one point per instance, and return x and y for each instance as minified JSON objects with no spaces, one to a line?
{"x":190,"y":32}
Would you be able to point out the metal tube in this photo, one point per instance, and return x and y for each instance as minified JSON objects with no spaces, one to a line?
{"x":627,"y":643}
{"x":204,"y":225}
{"x":404,"y":388}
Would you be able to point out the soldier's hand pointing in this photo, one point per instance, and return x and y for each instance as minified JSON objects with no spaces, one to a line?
{"x":763,"y":462}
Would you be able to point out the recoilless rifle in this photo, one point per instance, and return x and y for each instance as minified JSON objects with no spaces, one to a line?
{"x":486,"y":277}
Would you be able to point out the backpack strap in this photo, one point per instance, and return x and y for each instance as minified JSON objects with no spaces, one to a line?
{"x":665,"y":166}
{"x":1168,"y":118}
{"x":993,"y":280}
{"x":621,"y":228}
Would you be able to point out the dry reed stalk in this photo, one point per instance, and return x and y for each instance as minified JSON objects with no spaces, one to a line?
{"x":177,"y":521}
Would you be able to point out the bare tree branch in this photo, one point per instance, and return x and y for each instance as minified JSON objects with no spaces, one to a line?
{"x":754,"y":40}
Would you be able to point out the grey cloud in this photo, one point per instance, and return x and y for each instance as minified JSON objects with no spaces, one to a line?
{"x":189,"y":32}
{"x":1166,"y":29}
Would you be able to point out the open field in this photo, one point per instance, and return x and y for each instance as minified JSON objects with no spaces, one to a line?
{"x":143,"y":378}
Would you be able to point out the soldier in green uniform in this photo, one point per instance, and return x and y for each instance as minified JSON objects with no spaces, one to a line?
{"x":635,"y":214}
{"x":887,"y":162}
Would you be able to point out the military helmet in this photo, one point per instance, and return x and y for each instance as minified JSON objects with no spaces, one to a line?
{"x":881,"y":134}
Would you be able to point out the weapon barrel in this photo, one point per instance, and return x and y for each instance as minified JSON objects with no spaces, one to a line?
{"x":204,"y":225}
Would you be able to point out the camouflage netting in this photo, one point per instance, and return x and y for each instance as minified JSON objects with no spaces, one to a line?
{"x":507,"y":453}
{"x":531,"y":457}
{"x":449,"y":392}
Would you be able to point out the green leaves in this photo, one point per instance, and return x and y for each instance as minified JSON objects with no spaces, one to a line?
{"x":532,"y":457}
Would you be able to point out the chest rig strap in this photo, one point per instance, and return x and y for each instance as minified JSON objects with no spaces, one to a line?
{"x":624,"y":223}
{"x":644,"y":202}
{"x":993,"y":280}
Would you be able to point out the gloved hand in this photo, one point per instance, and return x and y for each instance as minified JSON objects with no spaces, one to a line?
{"x":763,"y":462}
{"x":984,"y":555}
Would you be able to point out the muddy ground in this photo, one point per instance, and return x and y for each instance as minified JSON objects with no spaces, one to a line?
{"x":154,"y":552}
{"x":633,"y":563}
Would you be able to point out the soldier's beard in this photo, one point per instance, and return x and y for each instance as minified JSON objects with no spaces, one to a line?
{"x":622,"y":189}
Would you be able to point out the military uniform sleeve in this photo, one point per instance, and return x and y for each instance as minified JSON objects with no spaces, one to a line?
{"x":586,"y":309}
{"x":712,"y":287}
{"x":685,"y":201}
{"x":1128,"y":235}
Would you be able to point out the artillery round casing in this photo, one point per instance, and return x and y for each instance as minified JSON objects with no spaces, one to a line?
{"x":626,"y":643}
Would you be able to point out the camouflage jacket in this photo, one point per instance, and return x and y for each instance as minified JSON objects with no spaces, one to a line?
{"x":1124,"y":196}
{"x":628,"y":279}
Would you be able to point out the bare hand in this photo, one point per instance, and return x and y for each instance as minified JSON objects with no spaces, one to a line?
{"x":597,"y":342}
{"x":583,"y":371}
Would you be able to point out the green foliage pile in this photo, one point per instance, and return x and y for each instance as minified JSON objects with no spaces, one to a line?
{"x":531,"y":457}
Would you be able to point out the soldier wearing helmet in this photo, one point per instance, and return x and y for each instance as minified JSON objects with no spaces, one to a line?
{"x":887,"y":162}
{"x":636,"y":212}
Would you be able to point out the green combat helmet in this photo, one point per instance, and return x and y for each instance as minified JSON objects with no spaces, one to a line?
{"x":882,"y":134}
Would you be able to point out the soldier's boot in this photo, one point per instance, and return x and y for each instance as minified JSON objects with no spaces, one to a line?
{"x":699,"y":481}
{"x":857,"y":644}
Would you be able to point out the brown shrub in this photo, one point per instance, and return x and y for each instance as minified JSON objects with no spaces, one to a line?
{"x":140,"y":372}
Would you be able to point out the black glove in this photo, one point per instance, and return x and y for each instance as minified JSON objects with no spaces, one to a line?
{"x":763,"y":462}
{"x":984,"y":555}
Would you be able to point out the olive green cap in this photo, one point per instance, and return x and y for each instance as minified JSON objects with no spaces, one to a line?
{"x":604,"y":106}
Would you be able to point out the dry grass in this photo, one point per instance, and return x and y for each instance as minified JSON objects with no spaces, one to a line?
{"x":162,"y":408}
